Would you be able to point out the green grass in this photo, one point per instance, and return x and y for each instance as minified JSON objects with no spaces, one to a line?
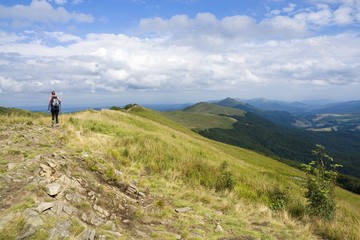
{"x":205,"y":116}
{"x":214,"y":109}
{"x":198,"y":121}
{"x":14,"y":228}
{"x":179,"y":168}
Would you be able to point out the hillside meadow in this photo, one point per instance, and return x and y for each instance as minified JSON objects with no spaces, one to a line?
{"x":249,"y":195}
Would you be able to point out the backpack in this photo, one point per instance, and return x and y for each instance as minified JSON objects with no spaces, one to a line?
{"x":55,"y":103}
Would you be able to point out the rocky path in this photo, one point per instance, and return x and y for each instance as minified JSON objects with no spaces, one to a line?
{"x":45,"y":191}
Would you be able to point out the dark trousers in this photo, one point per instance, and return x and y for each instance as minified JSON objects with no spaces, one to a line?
{"x":55,"y":115}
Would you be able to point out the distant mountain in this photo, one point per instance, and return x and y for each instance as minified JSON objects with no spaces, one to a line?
{"x":204,"y":107}
{"x":351,"y":107}
{"x":233,"y":103}
{"x":205,"y":116}
{"x":275,"y":105}
{"x":279,"y":117}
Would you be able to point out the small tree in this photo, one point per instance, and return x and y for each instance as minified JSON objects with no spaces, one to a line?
{"x":320,"y":184}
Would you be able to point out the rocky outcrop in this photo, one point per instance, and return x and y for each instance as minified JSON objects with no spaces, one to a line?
{"x":59,"y":193}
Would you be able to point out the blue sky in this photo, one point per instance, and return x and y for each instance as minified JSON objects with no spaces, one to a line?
{"x":116,"y":52}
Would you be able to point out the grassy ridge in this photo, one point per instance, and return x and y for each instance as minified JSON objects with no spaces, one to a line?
{"x":180,"y":168}
{"x":205,"y":116}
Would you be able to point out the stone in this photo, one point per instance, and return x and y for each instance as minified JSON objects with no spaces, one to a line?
{"x":85,"y":155}
{"x":88,"y":234}
{"x":106,"y":213}
{"x":57,"y":209}
{"x":84,"y":217}
{"x":98,"y":208}
{"x":53,"y":189}
{"x":218,"y":228}
{"x":51,"y":164}
{"x":219,"y":213}
{"x":60,"y":230}
{"x":95,"y":220}
{"x":44,"y":206}
{"x":5,"y":220}
{"x":33,"y":218}
{"x":91,"y":193}
{"x":183,"y":210}
{"x":101,"y":237}
{"x":141,"y":234}
{"x":69,"y":210}
{"x":75,"y":197}
{"x":45,"y":168}
{"x":69,"y":196}
{"x":11,"y":166}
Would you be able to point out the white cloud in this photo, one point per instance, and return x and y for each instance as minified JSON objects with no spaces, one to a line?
{"x":108,"y":62}
{"x":41,"y":11}
{"x":62,"y":37}
{"x":343,"y":15}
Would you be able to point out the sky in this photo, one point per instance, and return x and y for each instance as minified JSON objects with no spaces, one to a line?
{"x":114,"y":52}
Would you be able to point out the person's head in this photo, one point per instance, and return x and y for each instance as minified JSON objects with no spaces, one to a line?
{"x":53,"y":93}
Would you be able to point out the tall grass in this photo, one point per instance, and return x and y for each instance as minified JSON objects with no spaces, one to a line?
{"x":184,"y":168}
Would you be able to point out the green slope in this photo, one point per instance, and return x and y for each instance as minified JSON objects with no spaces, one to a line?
{"x":175,"y":168}
{"x":205,"y":116}
{"x":259,"y":134}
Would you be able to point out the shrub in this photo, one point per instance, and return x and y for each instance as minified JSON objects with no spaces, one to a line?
{"x":128,"y":106}
{"x":320,"y":185}
{"x":225,"y":179}
{"x":278,"y":199}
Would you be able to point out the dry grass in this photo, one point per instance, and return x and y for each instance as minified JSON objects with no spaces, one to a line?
{"x":180,"y":168}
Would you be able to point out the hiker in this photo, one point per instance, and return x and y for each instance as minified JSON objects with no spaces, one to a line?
{"x":55,"y":107}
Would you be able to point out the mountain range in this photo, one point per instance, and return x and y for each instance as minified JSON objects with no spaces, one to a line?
{"x":279,"y":134}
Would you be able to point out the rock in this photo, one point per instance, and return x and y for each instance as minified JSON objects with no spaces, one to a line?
{"x":33,"y":221}
{"x":95,"y":220}
{"x":51,"y":164}
{"x":5,"y":220}
{"x":101,"y":212}
{"x":219,"y":213}
{"x":53,"y":189}
{"x":44,"y":206}
{"x":58,"y":208}
{"x":60,"y":231}
{"x":45,"y":168}
{"x":69,"y":210}
{"x":113,"y":216}
{"x":141,"y":234}
{"x":85,"y":155}
{"x":69,"y":196}
{"x":91,"y":193}
{"x":11,"y":166}
{"x":88,"y":234}
{"x":218,"y":228}
{"x":101,"y":237}
{"x":68,"y":181}
{"x":178,"y":237}
{"x":183,"y":210}
{"x":75,"y":197}
{"x":84,"y":217}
